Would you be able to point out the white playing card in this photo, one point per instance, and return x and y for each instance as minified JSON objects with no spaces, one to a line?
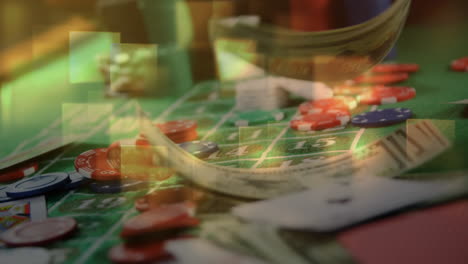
{"x":19,"y":211}
{"x":337,"y":205}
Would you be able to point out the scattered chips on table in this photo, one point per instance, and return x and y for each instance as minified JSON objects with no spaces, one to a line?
{"x":38,"y":233}
{"x":379,"y":95}
{"x":382,"y":117}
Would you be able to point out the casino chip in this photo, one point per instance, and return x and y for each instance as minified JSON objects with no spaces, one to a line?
{"x":200,"y":149}
{"x":395,"y":67}
{"x":29,"y":255}
{"x":143,"y":253}
{"x":93,"y":164}
{"x":312,"y":122}
{"x":256,"y":117}
{"x":178,"y":131}
{"x":37,"y":185}
{"x":37,"y":233}
{"x":379,"y":95}
{"x":343,"y":103}
{"x":170,"y":196}
{"x":76,"y":180}
{"x":382,"y":78}
{"x":177,"y":126}
{"x":117,"y":186}
{"x":460,"y":65}
{"x":382,"y":117}
{"x":159,"y":221}
{"x":18,"y":172}
{"x":3,"y":195}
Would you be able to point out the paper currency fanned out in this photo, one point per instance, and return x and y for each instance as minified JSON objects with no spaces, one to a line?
{"x":271,"y":244}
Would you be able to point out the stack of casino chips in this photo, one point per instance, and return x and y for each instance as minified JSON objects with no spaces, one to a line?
{"x":376,"y":87}
{"x":324,"y":113}
{"x":145,"y":234}
{"x":260,"y":94}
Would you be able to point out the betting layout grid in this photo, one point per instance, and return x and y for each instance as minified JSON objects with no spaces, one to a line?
{"x":243,"y":147}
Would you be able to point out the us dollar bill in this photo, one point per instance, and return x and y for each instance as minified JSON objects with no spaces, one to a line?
{"x":331,"y":55}
{"x":390,"y":156}
{"x":272,"y":244}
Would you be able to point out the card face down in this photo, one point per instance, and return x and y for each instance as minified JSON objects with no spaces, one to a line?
{"x":429,"y":236}
{"x":335,"y":206}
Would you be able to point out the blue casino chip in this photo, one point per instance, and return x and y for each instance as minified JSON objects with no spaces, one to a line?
{"x":37,"y":185}
{"x":3,"y":196}
{"x":117,"y":186}
{"x":76,"y":180}
{"x":382,"y":117}
{"x":200,"y":149}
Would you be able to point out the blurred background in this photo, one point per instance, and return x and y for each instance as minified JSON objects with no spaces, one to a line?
{"x":185,"y":23}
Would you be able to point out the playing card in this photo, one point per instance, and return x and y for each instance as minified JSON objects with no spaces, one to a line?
{"x":15,"y":212}
{"x":337,"y":205}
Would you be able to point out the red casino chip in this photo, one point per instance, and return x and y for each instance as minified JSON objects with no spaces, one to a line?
{"x":37,"y":233}
{"x":177,"y":126}
{"x":142,"y":253}
{"x":343,"y":103}
{"x":395,"y":67}
{"x":387,"y":95}
{"x":93,"y":164}
{"x":179,"y":195}
{"x":460,"y":65}
{"x":161,"y":219}
{"x":312,"y":122}
{"x":382,"y":78}
{"x":18,"y":172}
{"x":178,"y":131}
